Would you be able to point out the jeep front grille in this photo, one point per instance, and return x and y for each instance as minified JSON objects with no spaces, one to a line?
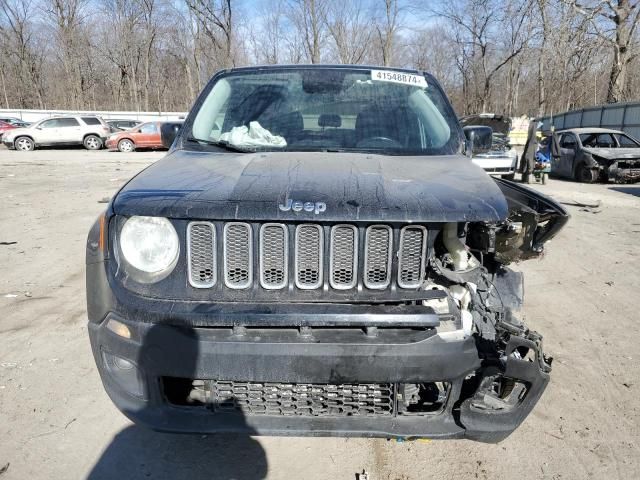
{"x":411,"y":256}
{"x":305,"y":256}
{"x":201,"y":243}
{"x":274,"y":247}
{"x":308,"y":256}
{"x":343,"y":256}
{"x":238,"y":258}
{"x":377,"y":260}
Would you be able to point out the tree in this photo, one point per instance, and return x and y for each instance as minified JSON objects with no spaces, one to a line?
{"x":479,"y":26}
{"x":350,"y":30}
{"x":215,"y":19}
{"x":308,"y":17}
{"x":615,"y":21}
{"x":387,"y":28}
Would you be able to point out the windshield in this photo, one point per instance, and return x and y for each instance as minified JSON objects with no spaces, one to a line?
{"x":607,"y":140}
{"x":324,"y":109}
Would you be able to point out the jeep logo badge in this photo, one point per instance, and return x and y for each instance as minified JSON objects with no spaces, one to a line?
{"x":298,"y":206}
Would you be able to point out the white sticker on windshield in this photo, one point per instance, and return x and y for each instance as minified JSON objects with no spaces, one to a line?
{"x":399,"y":77}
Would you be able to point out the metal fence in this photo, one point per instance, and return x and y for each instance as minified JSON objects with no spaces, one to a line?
{"x":35,"y":115}
{"x":618,"y":116}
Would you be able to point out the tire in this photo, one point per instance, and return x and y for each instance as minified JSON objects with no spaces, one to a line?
{"x":545,"y":177}
{"x":24,"y":144}
{"x":125,"y":145}
{"x":585,"y":174}
{"x":92,"y":142}
{"x":511,"y":176}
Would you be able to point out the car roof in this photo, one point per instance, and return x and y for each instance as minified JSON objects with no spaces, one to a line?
{"x":589,"y":130}
{"x":320,"y":66}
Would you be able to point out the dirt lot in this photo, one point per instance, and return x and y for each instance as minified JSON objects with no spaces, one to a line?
{"x":57,"y":422}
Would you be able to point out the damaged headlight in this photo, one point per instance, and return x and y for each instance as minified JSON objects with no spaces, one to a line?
{"x":150,"y":245}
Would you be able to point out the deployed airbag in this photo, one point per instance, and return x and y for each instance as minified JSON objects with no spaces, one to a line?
{"x":253,"y":136}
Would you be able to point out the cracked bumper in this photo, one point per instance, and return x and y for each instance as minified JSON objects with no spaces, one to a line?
{"x":159,"y":351}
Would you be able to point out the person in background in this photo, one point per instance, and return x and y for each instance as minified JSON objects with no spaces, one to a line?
{"x":528,"y":158}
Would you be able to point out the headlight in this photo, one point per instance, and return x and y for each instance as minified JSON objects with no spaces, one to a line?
{"x":150,"y":245}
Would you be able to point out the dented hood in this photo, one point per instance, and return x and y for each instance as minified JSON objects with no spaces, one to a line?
{"x":614,"y":153}
{"x":353,"y":186}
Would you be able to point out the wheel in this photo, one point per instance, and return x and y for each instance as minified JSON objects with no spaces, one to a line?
{"x":545,"y":177}
{"x":126,"y":145}
{"x":511,"y":176}
{"x":585,"y":174}
{"x":92,"y":142}
{"x":24,"y":144}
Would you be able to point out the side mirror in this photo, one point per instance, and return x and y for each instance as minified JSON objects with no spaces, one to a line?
{"x":479,"y":138}
{"x":169,"y":132}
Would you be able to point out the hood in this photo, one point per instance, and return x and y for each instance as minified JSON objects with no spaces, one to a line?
{"x":500,"y":124}
{"x":614,"y":153}
{"x":353,"y":187}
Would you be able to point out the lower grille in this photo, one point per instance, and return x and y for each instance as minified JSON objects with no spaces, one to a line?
{"x":291,"y":399}
{"x":307,"y":399}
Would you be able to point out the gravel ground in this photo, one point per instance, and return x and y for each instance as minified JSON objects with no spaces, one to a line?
{"x":57,"y":422}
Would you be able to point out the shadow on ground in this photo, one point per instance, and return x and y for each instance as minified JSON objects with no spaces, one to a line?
{"x":631,"y":190}
{"x":137,"y":453}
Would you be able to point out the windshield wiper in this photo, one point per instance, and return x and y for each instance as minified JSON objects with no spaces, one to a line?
{"x":220,"y":144}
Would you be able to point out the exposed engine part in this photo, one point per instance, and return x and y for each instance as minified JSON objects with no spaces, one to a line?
{"x":422,"y":397}
{"x":460,"y":257}
{"x":455,"y":247}
{"x":440,"y":305}
{"x":462,"y":296}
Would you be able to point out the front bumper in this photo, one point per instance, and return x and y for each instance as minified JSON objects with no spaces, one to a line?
{"x":165,"y":351}
{"x":496,"y":164}
{"x":624,"y":175}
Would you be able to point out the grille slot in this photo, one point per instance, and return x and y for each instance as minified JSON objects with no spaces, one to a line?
{"x":274,"y":249}
{"x":297,"y":399}
{"x":411,"y":257}
{"x":377,"y":260}
{"x":201,"y":251}
{"x":343,"y":257}
{"x":238,"y":255}
{"x":308,"y":256}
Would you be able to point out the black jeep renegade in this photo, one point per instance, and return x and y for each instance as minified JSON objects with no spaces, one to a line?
{"x":318,"y":255}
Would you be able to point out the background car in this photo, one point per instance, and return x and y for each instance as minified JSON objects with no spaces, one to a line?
{"x":146,"y":135}
{"x":16,"y":122}
{"x":591,"y":154}
{"x":4,"y":126}
{"x":502,"y":159}
{"x":88,"y":130}
{"x":119,"y":125}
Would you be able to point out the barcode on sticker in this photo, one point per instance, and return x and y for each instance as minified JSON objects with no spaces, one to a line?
{"x":399,"y":77}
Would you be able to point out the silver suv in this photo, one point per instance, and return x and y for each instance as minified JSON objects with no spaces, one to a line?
{"x":90,"y":131}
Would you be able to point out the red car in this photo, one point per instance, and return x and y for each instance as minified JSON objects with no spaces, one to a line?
{"x":146,"y":135}
{"x":4,"y":126}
